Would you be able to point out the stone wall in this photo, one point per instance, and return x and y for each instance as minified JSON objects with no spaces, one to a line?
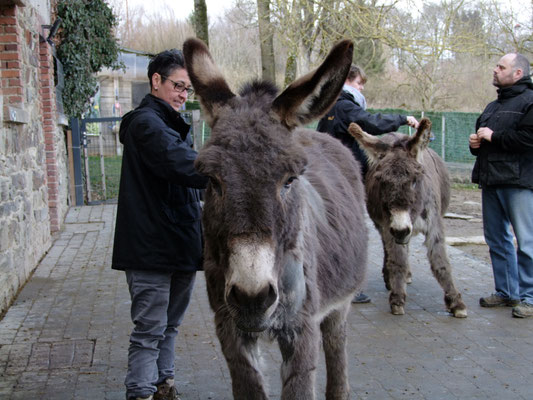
{"x":33,"y":167}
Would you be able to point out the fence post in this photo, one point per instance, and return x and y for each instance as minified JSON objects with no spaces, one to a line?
{"x":197,"y":130}
{"x":76,"y":155}
{"x":86,"y":157}
{"x":102,"y":164}
{"x":443,"y":138}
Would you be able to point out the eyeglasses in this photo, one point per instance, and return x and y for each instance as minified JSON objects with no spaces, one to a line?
{"x":180,"y":86}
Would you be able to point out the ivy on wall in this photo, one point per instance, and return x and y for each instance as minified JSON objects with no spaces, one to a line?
{"x":86,"y":45}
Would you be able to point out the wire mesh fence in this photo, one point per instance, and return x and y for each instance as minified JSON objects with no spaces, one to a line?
{"x":450,"y":131}
{"x":102,"y":153}
{"x":102,"y":150}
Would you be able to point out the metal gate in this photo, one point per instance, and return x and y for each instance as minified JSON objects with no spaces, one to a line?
{"x":97,"y":155}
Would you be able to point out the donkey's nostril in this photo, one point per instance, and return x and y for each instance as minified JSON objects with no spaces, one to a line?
{"x":400,"y":235}
{"x":236,"y":297}
{"x":257,"y":303}
{"x":266,"y":297}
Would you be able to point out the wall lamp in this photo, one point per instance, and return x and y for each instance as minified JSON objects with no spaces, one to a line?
{"x":53,"y":30}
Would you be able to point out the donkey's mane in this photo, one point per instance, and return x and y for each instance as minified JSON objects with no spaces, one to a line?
{"x":259,"y":91}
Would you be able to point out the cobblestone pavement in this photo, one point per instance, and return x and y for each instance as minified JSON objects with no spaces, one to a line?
{"x":66,"y":335}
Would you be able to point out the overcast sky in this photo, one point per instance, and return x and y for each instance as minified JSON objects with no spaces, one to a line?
{"x":215,"y":8}
{"x":181,"y":8}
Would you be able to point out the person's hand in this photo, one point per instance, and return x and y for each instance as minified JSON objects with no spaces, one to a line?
{"x":474,"y":141}
{"x":485,"y":133}
{"x":412,"y":122}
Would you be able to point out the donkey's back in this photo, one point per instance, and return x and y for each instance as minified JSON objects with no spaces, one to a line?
{"x":336,"y":199}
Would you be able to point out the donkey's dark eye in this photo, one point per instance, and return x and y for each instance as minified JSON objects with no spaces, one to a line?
{"x":289,"y":182}
{"x":215,"y":185}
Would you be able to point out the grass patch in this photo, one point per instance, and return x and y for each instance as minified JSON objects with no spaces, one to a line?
{"x":465,"y":186}
{"x":112,"y":165}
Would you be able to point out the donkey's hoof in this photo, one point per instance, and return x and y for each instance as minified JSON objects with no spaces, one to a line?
{"x":409,"y":280}
{"x":397,"y":310}
{"x":460,"y":313}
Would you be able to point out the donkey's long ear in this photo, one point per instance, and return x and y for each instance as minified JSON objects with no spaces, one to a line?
{"x":313,"y":94}
{"x":371,"y":145}
{"x":420,"y":140}
{"x":208,"y":82}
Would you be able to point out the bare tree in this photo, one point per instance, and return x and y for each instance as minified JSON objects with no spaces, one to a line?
{"x":435,"y":58}
{"x":266,"y":39}
{"x":509,"y":29}
{"x":200,"y":21}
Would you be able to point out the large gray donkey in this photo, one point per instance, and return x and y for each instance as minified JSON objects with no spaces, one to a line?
{"x":285,"y":237}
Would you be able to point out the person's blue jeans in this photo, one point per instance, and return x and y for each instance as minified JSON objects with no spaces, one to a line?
{"x":158,"y":303}
{"x":512,"y":267}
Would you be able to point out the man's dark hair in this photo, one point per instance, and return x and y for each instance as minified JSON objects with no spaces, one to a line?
{"x":356,"y":71}
{"x":521,"y":62}
{"x":165,"y":63}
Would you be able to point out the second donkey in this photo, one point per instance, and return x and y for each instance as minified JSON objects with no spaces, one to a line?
{"x":408,"y":192}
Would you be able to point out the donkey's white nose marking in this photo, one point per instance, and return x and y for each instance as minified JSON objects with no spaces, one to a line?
{"x":251,"y":266}
{"x":400,"y":220}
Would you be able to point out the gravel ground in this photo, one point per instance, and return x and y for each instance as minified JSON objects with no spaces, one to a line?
{"x":467,"y":202}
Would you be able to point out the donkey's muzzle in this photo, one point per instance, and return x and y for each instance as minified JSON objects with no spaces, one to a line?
{"x":401,"y":236}
{"x":250,"y":312}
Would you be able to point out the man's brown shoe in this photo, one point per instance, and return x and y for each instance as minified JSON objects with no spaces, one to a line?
{"x":495,"y":300}
{"x":523,"y":310}
{"x":166,"y":391}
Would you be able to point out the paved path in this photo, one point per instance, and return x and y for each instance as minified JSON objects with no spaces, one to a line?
{"x":66,"y":335}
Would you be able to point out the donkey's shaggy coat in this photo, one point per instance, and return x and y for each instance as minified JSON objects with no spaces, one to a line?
{"x":285,"y":237}
{"x":408,"y":192}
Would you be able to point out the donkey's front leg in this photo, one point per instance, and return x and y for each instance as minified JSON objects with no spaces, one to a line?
{"x":397,"y":267}
{"x":334,"y":342}
{"x":300,"y":358}
{"x":242,"y":355}
{"x":442,"y":270}
{"x":385,"y":270}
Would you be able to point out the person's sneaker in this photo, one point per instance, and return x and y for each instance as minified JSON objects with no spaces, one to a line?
{"x":166,"y":391}
{"x":495,"y":300}
{"x":523,"y":310}
{"x":141,"y":398}
{"x":361,"y":298}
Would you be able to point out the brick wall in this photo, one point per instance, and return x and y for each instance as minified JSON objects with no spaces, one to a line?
{"x":10,"y":56}
{"x":48,"y":111}
{"x":33,"y":167}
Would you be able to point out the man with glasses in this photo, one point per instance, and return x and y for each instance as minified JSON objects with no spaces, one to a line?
{"x":158,"y":237}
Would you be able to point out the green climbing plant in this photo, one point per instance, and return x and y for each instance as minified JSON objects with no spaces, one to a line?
{"x":86,"y":45}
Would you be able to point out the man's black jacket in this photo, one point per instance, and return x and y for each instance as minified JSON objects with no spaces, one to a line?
{"x":507,"y":160}
{"x":158,"y":223}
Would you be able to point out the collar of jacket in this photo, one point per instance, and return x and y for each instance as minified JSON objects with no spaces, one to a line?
{"x":345,"y":95}
{"x":171,"y":117}
{"x":359,"y":98}
{"x":519,"y":87}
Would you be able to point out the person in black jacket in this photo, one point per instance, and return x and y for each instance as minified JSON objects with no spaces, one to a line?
{"x":158,"y":234}
{"x":503,"y":146}
{"x":351,"y":107}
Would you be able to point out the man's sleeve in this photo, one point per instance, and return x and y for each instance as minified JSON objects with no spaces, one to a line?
{"x":374,"y":124}
{"x":164,"y":152}
{"x":475,"y":152}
